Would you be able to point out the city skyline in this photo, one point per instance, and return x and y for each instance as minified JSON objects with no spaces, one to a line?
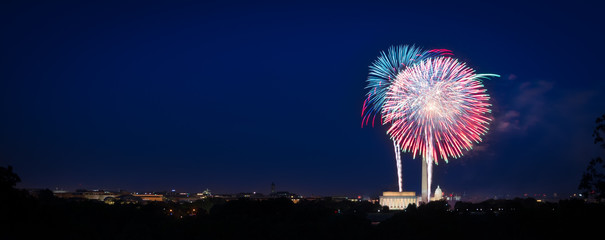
{"x":473,"y":197}
{"x":279,"y":193}
{"x":235,"y":97}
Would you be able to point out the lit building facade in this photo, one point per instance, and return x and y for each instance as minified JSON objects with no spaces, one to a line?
{"x":150,"y":197}
{"x":438,"y":194}
{"x":398,"y":200}
{"x":99,"y":195}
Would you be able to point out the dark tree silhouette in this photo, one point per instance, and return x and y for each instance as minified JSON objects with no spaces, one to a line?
{"x":593,"y":180}
{"x":599,"y":129}
{"x":8,"y":179}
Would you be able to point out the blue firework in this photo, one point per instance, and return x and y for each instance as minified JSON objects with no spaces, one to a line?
{"x":384,"y":71}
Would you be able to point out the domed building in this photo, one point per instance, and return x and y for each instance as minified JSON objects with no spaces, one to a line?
{"x":438,"y":194}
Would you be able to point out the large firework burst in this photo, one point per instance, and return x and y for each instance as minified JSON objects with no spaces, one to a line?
{"x":437,"y":108}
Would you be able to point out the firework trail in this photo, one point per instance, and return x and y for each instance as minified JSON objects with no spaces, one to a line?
{"x":437,"y":108}
{"x":382,"y":73}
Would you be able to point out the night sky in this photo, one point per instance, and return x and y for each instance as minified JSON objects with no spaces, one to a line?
{"x":231,"y":96}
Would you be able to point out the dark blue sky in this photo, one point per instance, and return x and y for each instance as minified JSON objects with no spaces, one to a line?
{"x":234,"y":96}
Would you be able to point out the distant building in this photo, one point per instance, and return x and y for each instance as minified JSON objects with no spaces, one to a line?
{"x":438,"y":194}
{"x":252,"y":195}
{"x":226,"y":196}
{"x":295,"y":198}
{"x":99,"y":195}
{"x":205,"y":194}
{"x":398,"y":200}
{"x":150,"y":197}
{"x":285,"y":194}
{"x":282,"y":194}
{"x":68,"y":195}
{"x":129,"y":199}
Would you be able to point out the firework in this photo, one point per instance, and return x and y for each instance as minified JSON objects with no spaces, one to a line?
{"x":382,"y":72}
{"x":437,"y":108}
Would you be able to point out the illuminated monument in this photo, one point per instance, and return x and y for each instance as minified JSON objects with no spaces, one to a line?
{"x":438,"y":194}
{"x":398,"y":200}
